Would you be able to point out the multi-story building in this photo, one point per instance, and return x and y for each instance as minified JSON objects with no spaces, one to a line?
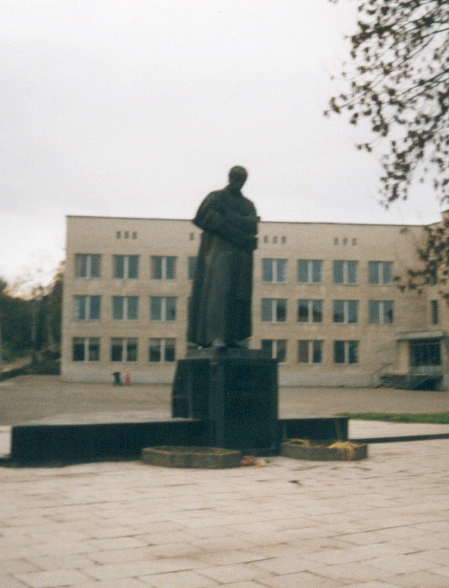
{"x":325,"y":301}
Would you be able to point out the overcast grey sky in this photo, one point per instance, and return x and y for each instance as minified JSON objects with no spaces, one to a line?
{"x":139,"y":108}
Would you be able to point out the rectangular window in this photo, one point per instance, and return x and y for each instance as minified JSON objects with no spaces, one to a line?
{"x":163,"y":267}
{"x":310,"y":311}
{"x":125,"y":308}
{"x":124,"y":349}
{"x":345,"y":272}
{"x":380,"y":312}
{"x":310,"y":351}
{"x":309,"y":271}
{"x":163,"y":308}
{"x":346,"y":352}
{"x":191,"y":267}
{"x":274,"y":310}
{"x":276,"y":349}
{"x":125,"y":266}
{"x":434,"y":312}
{"x":87,"y":308}
{"x":380,"y":272}
{"x":87,"y":265}
{"x":131,"y":349}
{"x":346,"y":311}
{"x":86,"y":349}
{"x":162,"y":350}
{"x":274,"y":270}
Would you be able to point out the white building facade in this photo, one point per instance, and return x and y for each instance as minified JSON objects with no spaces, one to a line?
{"x":325,"y":301}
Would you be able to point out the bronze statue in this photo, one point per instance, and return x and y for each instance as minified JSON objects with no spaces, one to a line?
{"x":220,"y":307}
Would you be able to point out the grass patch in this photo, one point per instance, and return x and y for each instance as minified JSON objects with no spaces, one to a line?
{"x":437,"y":418}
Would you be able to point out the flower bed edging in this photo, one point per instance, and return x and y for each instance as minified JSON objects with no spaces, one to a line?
{"x":171,"y":456}
{"x":324,"y":451}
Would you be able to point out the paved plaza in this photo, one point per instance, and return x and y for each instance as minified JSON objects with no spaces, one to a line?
{"x":377,"y":523}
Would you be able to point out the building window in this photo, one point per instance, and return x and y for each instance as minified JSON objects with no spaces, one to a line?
{"x":310,"y":351}
{"x":345,"y":272}
{"x":309,"y":271}
{"x":87,"y":265}
{"x":124,"y":349}
{"x":134,"y":234}
{"x":163,"y":308}
{"x":425,"y":354}
{"x":163,"y":267}
{"x":274,"y":270}
{"x":345,"y":311}
{"x":87,"y":308}
{"x":434,"y":312}
{"x":310,"y":311}
{"x":274,"y":310}
{"x":191,"y":267}
{"x":162,"y":350}
{"x":380,"y":312}
{"x":125,"y":266}
{"x":346,"y":352}
{"x":276,"y":349}
{"x":265,"y":239}
{"x":125,"y":308}
{"x":86,"y":349}
{"x":380,"y":272}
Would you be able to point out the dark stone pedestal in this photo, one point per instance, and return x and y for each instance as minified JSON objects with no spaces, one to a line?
{"x":235,"y":392}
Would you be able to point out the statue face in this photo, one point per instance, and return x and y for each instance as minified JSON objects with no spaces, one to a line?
{"x":237,"y":177}
{"x":237,"y":183}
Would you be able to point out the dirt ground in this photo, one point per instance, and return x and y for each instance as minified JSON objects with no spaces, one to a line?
{"x":29,"y":398}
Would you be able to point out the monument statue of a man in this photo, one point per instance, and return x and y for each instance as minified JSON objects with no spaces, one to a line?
{"x":220,"y":308}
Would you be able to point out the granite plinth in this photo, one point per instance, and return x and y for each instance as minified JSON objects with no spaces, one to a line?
{"x":235,"y":392}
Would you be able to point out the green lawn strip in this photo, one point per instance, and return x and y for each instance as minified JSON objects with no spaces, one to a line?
{"x":440,"y":418}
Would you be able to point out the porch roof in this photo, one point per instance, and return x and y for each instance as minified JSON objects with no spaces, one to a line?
{"x":413,"y":335}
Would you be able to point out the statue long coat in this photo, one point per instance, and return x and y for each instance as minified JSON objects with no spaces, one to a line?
{"x":220,"y":306}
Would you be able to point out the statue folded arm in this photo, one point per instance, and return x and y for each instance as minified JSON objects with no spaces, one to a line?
{"x":237,"y":228}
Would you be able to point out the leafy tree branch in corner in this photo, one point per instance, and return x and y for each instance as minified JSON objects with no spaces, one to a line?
{"x":398,"y":81}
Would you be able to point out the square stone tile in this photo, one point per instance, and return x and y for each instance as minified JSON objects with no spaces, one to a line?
{"x":7,"y":581}
{"x":285,"y":565}
{"x":420,"y":580}
{"x":300,"y":580}
{"x":182,"y":579}
{"x":233,"y":573}
{"x":401,"y":564}
{"x":52,"y":579}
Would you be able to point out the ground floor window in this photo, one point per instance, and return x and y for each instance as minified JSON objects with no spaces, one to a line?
{"x":124,"y":349}
{"x":162,"y":350}
{"x":310,"y":351}
{"x":86,"y":349}
{"x":276,"y":348}
{"x":425,"y":354}
{"x":346,"y":352}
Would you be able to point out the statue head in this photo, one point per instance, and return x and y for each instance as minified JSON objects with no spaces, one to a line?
{"x":237,"y":177}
